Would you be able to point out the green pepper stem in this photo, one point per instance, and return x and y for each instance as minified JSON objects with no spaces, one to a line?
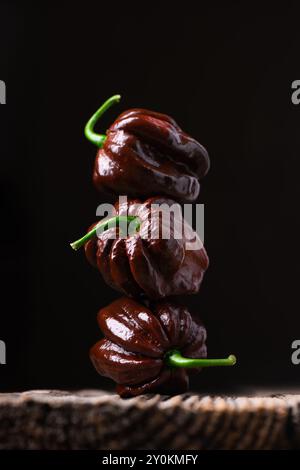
{"x":175,"y":359}
{"x":104,"y":225}
{"x":99,"y":139}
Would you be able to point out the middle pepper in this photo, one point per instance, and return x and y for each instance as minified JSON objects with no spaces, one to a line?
{"x":160,"y":256}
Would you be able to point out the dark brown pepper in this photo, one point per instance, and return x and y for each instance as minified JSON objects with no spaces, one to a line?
{"x":154,"y":267}
{"x":147,"y":154}
{"x":136,"y":342}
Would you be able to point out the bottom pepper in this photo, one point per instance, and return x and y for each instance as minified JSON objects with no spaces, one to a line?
{"x":146,"y":351}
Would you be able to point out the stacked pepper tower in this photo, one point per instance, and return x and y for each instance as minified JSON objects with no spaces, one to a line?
{"x":151,"y":342}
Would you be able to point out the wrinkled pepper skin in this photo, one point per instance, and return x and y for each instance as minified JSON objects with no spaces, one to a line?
{"x":135,"y":344}
{"x":155,"y":268}
{"x":147,"y":154}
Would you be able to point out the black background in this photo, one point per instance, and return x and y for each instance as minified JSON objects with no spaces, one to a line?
{"x":225,"y":74}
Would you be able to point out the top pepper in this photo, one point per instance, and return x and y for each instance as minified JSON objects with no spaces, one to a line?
{"x":145,"y":153}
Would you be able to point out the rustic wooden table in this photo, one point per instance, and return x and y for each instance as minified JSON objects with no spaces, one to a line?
{"x":94,"y":419}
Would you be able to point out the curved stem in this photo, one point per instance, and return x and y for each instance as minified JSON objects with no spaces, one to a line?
{"x":99,"y":139}
{"x":104,"y":225}
{"x":175,"y":359}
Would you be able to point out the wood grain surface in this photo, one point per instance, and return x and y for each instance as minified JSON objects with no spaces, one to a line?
{"x":94,"y":419}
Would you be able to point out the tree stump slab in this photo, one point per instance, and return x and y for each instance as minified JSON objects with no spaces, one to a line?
{"x":95,"y":419}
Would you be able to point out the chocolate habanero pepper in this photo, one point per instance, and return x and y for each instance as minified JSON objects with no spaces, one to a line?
{"x":146,"y":351}
{"x":145,"y":153}
{"x":144,"y":262}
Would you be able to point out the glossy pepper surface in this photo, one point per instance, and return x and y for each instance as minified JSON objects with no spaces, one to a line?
{"x":137,"y":341}
{"x":145,"y":153}
{"x":144,"y":351}
{"x":139,"y":265}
